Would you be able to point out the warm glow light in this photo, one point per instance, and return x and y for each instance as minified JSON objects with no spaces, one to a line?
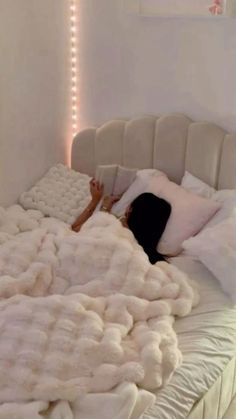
{"x":73,"y":51}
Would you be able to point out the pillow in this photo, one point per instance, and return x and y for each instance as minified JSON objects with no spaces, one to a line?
{"x":227,"y":199}
{"x":197,"y":186}
{"x":62,"y":193}
{"x":138,"y":187}
{"x":215,"y":247}
{"x":116,"y":179}
{"x":188,"y":215}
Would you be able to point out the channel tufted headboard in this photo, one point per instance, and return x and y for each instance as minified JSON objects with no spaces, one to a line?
{"x":172,"y":143}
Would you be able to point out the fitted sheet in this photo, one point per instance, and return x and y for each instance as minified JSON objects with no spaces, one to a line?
{"x":207,"y":339}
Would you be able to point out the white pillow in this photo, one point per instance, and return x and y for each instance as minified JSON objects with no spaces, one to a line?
{"x":197,"y":186}
{"x":62,"y":193}
{"x":215,"y":247}
{"x":189,"y":213}
{"x":227,"y":199}
{"x":139,"y":186}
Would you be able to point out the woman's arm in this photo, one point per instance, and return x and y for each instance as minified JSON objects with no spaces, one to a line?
{"x":96,"y":191}
{"x":108,"y":202}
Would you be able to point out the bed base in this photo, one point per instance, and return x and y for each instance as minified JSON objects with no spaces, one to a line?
{"x":220,"y":400}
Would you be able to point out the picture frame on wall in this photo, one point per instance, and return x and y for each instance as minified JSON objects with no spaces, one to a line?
{"x":182,"y":8}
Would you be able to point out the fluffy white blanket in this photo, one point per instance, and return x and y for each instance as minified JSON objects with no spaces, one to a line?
{"x":84,"y":313}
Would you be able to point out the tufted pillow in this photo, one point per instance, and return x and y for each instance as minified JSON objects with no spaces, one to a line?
{"x":62,"y":193}
{"x":189,"y":213}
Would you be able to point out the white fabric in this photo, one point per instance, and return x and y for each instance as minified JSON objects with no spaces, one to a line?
{"x":197,"y":186}
{"x":207,"y":338}
{"x":189,"y":213}
{"x":215,"y":247}
{"x":64,"y":346}
{"x":15,"y":219}
{"x":124,"y":402}
{"x":62,"y":193}
{"x":227,"y":200}
{"x":226,"y":197}
{"x":139,"y":186}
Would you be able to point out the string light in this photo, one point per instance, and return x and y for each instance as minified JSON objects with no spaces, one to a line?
{"x":73,"y":52}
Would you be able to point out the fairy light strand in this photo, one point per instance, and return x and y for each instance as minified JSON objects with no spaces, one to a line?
{"x":74,"y":51}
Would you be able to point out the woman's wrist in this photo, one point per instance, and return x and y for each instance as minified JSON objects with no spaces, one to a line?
{"x":105,"y":209}
{"x":94,"y":202}
{"x":106,"y":204}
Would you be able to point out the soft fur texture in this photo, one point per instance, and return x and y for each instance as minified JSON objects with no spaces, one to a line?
{"x":124,"y":402}
{"x":114,"y":325}
{"x":62,"y":193}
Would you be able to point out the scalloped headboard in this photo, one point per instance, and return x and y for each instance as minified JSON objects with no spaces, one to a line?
{"x":172,"y":143}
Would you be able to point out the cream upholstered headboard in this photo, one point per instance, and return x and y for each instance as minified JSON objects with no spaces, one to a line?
{"x":171,"y":143}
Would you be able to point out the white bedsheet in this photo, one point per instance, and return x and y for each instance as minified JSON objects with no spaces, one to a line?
{"x":207,"y":339}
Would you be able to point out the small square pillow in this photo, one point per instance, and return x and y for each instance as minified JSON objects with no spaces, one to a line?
{"x":189,"y":213}
{"x":197,"y":186}
{"x":215,"y":247}
{"x":62,"y":193}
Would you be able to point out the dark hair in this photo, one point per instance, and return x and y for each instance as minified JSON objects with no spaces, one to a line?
{"x":147,"y":220}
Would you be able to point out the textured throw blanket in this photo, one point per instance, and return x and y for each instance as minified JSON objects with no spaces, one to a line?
{"x":80,"y":314}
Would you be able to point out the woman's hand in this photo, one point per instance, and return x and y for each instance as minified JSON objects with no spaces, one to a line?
{"x":123,"y":221}
{"x":109,"y":201}
{"x":96,"y":190}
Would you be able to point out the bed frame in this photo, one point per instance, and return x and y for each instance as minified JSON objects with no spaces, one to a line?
{"x":172,"y":143}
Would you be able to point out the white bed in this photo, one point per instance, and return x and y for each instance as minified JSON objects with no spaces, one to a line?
{"x":207,"y":340}
{"x":205,"y":385}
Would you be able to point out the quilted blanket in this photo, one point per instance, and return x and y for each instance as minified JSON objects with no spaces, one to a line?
{"x":83,"y":314}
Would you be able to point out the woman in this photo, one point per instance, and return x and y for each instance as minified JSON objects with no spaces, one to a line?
{"x":146,"y":217}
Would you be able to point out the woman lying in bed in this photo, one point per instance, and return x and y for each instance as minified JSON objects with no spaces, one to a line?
{"x":146,"y":217}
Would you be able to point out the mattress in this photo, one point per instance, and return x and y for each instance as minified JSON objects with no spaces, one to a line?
{"x":207,"y":339}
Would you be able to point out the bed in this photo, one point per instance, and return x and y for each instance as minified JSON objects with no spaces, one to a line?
{"x":204,"y":387}
{"x":94,"y":340}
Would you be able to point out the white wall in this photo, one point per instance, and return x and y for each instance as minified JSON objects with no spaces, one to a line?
{"x":34,"y":91}
{"x":133,"y":65}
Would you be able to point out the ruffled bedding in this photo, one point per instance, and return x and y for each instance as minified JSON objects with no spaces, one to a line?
{"x":85,"y":318}
{"x":207,"y":339}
